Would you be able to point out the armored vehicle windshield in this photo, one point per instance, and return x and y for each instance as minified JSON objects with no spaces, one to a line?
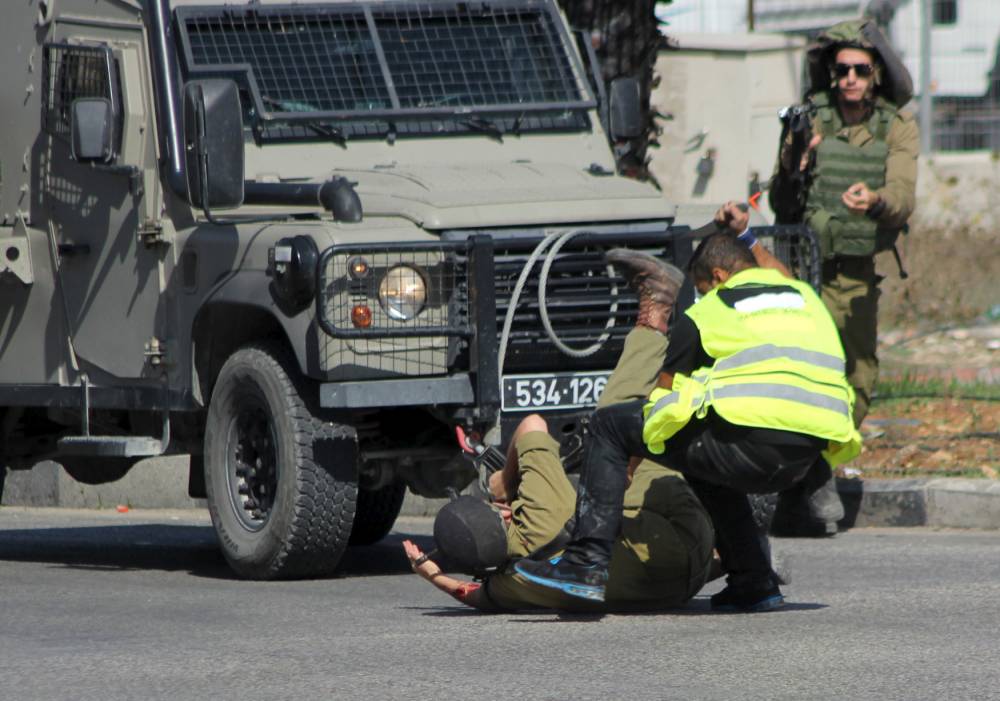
{"x":350,"y":70}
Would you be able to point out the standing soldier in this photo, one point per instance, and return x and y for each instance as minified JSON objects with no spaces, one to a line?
{"x":856,"y":178}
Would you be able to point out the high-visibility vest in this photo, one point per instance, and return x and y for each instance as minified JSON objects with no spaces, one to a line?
{"x":779,"y":364}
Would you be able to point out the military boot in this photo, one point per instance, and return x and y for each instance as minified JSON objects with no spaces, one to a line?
{"x":811,"y":508}
{"x":654,"y":281}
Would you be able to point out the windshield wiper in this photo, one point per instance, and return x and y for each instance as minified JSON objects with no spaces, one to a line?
{"x":335,"y":134}
{"x":486,"y":126}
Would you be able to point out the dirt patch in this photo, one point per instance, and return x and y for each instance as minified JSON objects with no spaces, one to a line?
{"x":968,"y":355}
{"x":929,"y":438}
{"x":951,"y":425}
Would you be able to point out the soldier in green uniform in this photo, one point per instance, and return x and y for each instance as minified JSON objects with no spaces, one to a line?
{"x":663,"y":555}
{"x":862,"y":160}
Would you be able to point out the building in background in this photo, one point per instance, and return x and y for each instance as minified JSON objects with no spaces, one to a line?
{"x":717,"y":98}
{"x":964,"y":37}
{"x":965,"y":75}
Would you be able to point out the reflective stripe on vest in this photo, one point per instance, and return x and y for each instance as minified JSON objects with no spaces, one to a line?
{"x":770,"y":352}
{"x":759,"y":390}
{"x":770,"y":390}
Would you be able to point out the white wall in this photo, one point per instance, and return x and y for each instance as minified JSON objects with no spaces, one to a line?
{"x":729,"y":87}
{"x":703,"y":16}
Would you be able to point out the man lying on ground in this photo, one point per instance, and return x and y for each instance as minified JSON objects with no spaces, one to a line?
{"x":661,"y":557}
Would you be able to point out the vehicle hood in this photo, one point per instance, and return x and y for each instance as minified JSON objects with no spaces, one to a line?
{"x":477,"y":195}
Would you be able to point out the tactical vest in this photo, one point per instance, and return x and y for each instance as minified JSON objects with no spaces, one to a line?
{"x":838,"y":166}
{"x":779,"y":365}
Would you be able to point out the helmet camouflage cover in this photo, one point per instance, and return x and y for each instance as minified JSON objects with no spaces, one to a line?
{"x":894,"y":84}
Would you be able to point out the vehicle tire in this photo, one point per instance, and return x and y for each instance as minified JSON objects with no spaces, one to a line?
{"x":376,"y":512}
{"x":281,"y":484}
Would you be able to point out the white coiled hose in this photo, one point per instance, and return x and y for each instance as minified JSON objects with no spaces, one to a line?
{"x":556,"y":243}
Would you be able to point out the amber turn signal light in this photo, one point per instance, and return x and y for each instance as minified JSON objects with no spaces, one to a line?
{"x":361,"y":316}
{"x":358,"y":267}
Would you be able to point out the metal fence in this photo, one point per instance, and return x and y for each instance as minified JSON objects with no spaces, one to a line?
{"x":959,"y":38}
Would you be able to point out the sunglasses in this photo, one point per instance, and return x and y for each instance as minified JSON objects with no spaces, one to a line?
{"x":862,"y":70}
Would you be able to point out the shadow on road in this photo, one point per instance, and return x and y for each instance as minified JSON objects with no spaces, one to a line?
{"x":127,"y":547}
{"x":385,"y":557}
{"x":696,"y":607}
{"x":172,"y":548}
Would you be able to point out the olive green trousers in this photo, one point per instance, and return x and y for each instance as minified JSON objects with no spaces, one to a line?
{"x":850,"y":292}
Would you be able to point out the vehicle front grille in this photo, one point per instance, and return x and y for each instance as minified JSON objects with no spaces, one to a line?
{"x":581,"y":296}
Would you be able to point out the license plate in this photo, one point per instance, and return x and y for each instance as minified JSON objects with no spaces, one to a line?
{"x":559,"y":390}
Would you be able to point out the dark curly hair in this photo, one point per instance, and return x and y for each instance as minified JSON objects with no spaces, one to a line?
{"x":720,"y":250}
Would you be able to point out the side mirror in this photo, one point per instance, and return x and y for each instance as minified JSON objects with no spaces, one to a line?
{"x":92,"y":130}
{"x":626,"y":116}
{"x":213,"y":143}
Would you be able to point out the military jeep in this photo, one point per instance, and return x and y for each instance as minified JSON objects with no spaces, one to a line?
{"x":302,"y":243}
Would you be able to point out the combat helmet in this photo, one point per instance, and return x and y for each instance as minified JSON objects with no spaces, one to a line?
{"x":893,"y":80}
{"x":471,"y":536}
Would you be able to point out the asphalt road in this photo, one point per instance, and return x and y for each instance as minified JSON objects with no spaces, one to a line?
{"x":97,"y":605}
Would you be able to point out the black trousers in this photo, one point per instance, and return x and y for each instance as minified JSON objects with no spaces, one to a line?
{"x":722,"y":463}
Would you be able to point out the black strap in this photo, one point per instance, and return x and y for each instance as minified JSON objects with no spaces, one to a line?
{"x":899,"y":263}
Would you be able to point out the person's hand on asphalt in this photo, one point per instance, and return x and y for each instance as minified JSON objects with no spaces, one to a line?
{"x":859,"y":199}
{"x":427,"y":569}
{"x":731,"y":216}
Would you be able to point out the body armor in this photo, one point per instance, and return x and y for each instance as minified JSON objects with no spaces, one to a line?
{"x":839,"y":165}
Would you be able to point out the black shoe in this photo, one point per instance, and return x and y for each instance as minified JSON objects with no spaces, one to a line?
{"x":802,"y":527}
{"x":811,"y":508}
{"x":748,"y":599}
{"x":584,"y":582}
{"x":799,"y":516}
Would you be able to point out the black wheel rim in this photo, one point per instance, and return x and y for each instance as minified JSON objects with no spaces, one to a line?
{"x":252,"y":463}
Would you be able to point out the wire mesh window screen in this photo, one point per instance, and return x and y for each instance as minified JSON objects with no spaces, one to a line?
{"x":455,"y":57}
{"x":72,"y":72}
{"x":443,"y":276}
{"x":301,"y":60}
{"x":386,"y":58}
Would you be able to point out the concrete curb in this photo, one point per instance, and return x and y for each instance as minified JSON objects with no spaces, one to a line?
{"x":157,"y":483}
{"x":162,"y":484}
{"x":937,"y":503}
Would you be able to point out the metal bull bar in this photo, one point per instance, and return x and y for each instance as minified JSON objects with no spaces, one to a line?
{"x":449,"y":353}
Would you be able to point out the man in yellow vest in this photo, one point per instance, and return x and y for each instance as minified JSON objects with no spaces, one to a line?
{"x":751,"y":393}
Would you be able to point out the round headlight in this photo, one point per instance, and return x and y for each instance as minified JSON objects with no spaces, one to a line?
{"x":402,"y":293}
